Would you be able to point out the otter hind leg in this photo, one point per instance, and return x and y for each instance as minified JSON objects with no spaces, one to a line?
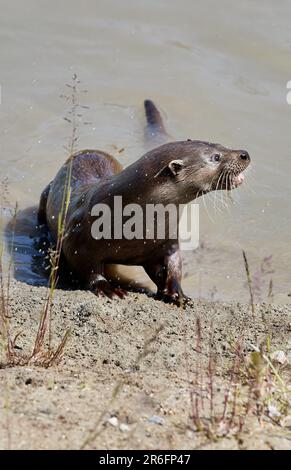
{"x":41,"y":215}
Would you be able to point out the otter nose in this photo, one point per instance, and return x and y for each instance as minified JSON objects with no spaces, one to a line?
{"x":244,"y":155}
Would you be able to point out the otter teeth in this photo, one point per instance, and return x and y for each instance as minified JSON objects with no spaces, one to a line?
{"x":237,"y":180}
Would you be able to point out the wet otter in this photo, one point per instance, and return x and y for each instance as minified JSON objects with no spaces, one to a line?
{"x":175,"y":173}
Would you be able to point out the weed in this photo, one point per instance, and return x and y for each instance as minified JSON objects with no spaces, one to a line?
{"x":42,"y":353}
{"x":249,"y":281}
{"x":254,"y":388}
{"x":260,"y":281}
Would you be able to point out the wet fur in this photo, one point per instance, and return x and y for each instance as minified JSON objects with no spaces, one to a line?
{"x":176,"y":173}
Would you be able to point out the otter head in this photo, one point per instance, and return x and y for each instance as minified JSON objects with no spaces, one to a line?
{"x":196,"y":168}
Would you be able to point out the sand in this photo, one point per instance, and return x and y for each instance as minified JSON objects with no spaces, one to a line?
{"x":128,"y":370}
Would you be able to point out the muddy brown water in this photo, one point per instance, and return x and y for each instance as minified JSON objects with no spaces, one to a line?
{"x":218,"y":74}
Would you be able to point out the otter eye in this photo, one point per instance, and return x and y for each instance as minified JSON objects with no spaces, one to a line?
{"x":216,"y":157}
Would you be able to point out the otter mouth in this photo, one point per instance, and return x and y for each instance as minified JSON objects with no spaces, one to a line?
{"x":229,"y":181}
{"x":237,"y":180}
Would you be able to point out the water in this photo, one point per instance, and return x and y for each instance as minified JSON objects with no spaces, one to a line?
{"x":218,"y":73}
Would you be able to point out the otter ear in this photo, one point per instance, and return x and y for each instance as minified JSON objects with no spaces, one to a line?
{"x":171,"y":169}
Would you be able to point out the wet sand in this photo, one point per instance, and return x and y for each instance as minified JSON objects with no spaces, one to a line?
{"x":148,"y":351}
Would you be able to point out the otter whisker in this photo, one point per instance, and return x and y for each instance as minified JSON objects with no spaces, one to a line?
{"x":228,"y":191}
{"x":222,"y":198}
{"x":216,"y":188}
{"x":250,"y":188}
{"x":229,"y":194}
{"x":226,"y":180}
{"x":218,"y":181}
{"x":206,"y":208}
{"x":221,"y":203}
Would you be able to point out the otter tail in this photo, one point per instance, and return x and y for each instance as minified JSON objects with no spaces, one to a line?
{"x":154,"y":118}
{"x":155,"y":131}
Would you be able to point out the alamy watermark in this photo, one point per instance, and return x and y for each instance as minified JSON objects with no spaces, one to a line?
{"x":148,"y":222}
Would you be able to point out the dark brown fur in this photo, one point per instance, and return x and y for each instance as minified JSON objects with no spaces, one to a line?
{"x":176,"y":173}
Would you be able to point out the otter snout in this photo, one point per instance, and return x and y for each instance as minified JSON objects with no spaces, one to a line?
{"x":240,"y":159}
{"x":233,"y":164}
{"x":244,"y":155}
{"x":241,"y":162}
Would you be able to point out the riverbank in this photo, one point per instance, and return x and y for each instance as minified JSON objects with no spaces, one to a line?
{"x":130,"y":368}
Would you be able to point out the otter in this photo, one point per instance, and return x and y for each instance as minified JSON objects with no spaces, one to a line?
{"x":173,"y":173}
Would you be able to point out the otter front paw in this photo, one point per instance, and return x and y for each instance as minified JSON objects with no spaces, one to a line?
{"x":177,"y":298}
